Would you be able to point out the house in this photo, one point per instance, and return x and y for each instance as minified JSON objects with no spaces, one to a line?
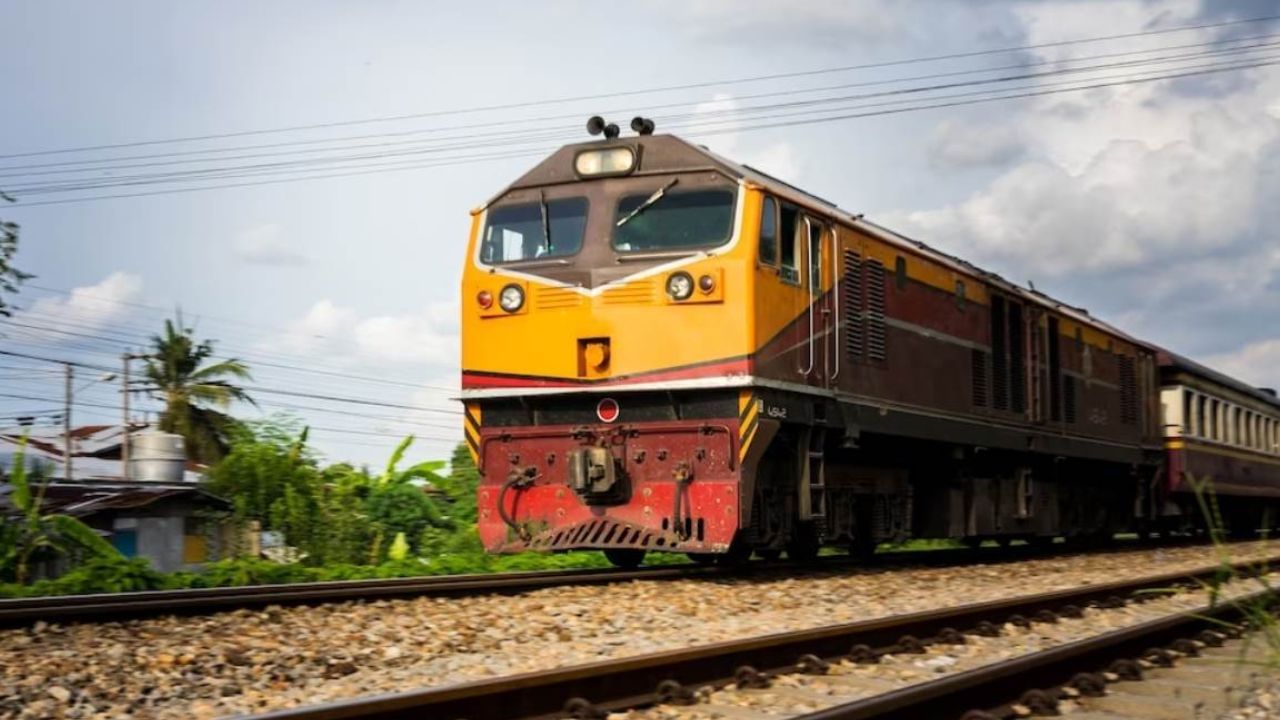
{"x":175,"y":525}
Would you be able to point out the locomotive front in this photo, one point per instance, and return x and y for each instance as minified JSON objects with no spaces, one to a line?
{"x":605,"y":352}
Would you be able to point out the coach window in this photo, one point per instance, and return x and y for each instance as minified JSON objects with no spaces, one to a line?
{"x":788,"y":234}
{"x":1213,"y":421}
{"x":769,"y":232}
{"x":1201,"y":431}
{"x":1188,"y":417}
{"x":960,"y":294}
{"x":1235,"y":425}
{"x":900,"y":273}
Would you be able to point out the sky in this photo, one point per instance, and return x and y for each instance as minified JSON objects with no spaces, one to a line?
{"x":1150,"y":203}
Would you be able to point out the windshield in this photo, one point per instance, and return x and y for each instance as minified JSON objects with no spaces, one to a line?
{"x":518,"y":232}
{"x":676,"y":220}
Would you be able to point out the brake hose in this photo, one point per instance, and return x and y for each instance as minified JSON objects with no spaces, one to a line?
{"x":519,"y":482}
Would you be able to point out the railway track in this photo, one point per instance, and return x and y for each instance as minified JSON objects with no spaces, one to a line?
{"x":130,"y":605}
{"x":675,"y":677}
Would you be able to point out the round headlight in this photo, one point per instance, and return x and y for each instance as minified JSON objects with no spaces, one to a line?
{"x":680,"y":286}
{"x":512,"y":298}
{"x":706,"y":283}
{"x":484,"y":299}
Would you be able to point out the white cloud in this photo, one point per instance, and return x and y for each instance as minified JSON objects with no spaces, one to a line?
{"x":1257,"y":363}
{"x":266,"y":245}
{"x":960,"y":145}
{"x":426,"y":338}
{"x":87,"y":309}
{"x":775,"y":158}
{"x":804,"y":23}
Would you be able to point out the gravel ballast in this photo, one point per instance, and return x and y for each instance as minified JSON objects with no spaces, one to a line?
{"x":250,"y":661}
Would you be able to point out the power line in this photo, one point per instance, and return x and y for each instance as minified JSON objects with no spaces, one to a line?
{"x":252,"y":357}
{"x":102,"y":164}
{"x":693,"y":120}
{"x":668,"y":88}
{"x":735,"y":127}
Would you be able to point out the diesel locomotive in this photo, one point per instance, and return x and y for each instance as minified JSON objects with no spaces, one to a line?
{"x":666,"y":350}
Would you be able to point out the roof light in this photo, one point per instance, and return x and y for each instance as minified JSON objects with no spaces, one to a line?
{"x":606,"y":161}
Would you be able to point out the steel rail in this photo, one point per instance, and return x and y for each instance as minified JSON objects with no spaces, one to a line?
{"x":107,"y":607}
{"x":634,"y":681}
{"x":114,"y":606}
{"x":996,"y":686}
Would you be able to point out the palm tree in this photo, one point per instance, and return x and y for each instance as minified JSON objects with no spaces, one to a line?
{"x":195,"y":394}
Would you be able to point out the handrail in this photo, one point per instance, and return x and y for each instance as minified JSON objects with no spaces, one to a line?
{"x":808,"y":230}
{"x":835,"y":299}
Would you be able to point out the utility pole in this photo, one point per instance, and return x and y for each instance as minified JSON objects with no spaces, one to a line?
{"x":124,"y":402}
{"x":124,"y":379}
{"x":66,"y":424}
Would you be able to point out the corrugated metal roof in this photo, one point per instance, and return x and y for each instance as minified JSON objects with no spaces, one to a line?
{"x":82,"y":499}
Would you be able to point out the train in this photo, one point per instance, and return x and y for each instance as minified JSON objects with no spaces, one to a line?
{"x":664,"y":350}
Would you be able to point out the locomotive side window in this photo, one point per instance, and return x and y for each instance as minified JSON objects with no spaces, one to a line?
{"x":769,"y":232}
{"x":673,"y":220}
{"x":787,"y":233}
{"x":525,"y":232}
{"x":900,"y":272}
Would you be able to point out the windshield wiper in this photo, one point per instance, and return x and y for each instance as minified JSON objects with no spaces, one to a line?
{"x":546,"y":222}
{"x":655,"y":197}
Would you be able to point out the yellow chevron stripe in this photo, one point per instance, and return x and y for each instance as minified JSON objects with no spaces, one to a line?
{"x":471,"y":427}
{"x":748,"y":411}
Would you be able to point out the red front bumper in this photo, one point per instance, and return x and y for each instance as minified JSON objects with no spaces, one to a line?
{"x":659,"y":511}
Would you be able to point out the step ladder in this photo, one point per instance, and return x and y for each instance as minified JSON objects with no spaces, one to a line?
{"x":813,"y":488}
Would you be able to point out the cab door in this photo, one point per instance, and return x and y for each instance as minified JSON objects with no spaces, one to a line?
{"x":819,"y":365}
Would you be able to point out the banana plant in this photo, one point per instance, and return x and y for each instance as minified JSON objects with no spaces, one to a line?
{"x":32,"y":530}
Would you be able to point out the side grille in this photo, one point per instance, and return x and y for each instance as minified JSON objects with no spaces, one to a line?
{"x":1128,"y":391}
{"x":1069,"y":399}
{"x":876,"y":349}
{"x":633,"y":293}
{"x":979,"y":367}
{"x":851,"y":304}
{"x":556,"y":298}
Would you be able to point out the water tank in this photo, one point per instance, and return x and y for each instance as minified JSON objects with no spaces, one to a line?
{"x":157,"y":457}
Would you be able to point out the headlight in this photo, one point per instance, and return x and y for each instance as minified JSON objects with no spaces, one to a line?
{"x":706,"y":284}
{"x":680,"y":286}
{"x":512,"y":298}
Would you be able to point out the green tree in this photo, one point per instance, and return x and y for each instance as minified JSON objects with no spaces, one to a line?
{"x":399,"y":505}
{"x":10,"y":276}
{"x":261,"y":466}
{"x":196,"y":393}
{"x":34,"y":531}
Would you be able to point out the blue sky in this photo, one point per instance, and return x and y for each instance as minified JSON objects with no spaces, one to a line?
{"x":1152,"y":204}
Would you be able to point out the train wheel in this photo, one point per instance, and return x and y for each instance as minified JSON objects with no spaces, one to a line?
{"x":702,"y":558}
{"x":737,"y":555}
{"x":803,"y":545}
{"x":626,"y":558}
{"x":862,"y":548}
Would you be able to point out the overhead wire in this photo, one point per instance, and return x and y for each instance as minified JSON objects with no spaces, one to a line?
{"x":293,"y":167}
{"x":1218,"y":48}
{"x":668,"y":88}
{"x":724,"y":127}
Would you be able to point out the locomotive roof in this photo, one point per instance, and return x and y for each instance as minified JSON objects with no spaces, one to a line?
{"x":660,"y":154}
